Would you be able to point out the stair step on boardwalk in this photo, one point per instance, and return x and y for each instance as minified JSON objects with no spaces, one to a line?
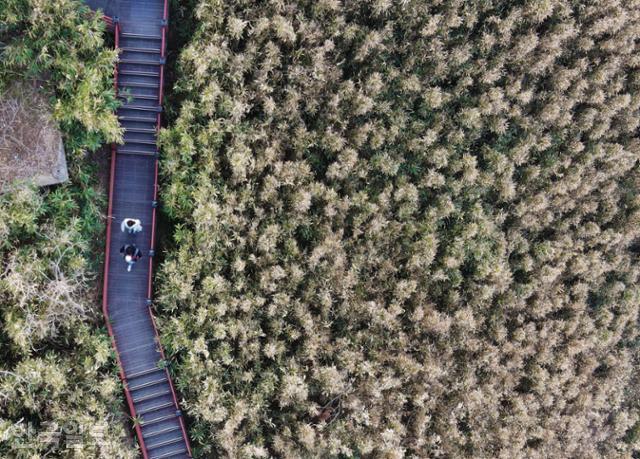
{"x":139,"y":61}
{"x":139,"y":373}
{"x":138,"y":73}
{"x":132,"y":49}
{"x":136,"y":92}
{"x":142,"y":36}
{"x":141,"y":130}
{"x":165,"y":442}
{"x":170,"y":454}
{"x":144,"y":385}
{"x":137,"y":153}
{"x":151,"y":396}
{"x":159,"y":419}
{"x":161,"y":431}
{"x":167,"y":430}
{"x":141,"y":108}
{"x":124,"y":83}
{"x":150,"y":409}
{"x":139,"y":141}
{"x":143,"y":119}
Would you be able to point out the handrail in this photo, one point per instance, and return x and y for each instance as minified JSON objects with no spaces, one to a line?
{"x":108,"y":20}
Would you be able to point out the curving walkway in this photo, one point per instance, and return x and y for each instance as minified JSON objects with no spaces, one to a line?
{"x":140,"y":33}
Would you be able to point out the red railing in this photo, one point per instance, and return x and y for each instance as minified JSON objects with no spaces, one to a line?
{"x":109,"y":21}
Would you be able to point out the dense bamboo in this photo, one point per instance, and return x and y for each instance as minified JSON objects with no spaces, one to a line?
{"x":406,"y":228}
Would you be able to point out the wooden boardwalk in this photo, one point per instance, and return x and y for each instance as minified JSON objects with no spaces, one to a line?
{"x":140,"y":33}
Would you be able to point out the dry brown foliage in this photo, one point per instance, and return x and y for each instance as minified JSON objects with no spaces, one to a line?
{"x":428,"y":210}
{"x":30,"y":142}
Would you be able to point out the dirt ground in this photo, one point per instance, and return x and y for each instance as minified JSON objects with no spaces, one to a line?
{"x":31,"y":148}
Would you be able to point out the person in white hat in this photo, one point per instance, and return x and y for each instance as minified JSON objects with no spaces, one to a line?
{"x":131,"y":225}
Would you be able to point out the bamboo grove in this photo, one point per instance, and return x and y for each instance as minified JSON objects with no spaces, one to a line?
{"x":406,"y":229}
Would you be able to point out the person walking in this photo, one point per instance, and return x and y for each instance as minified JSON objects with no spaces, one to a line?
{"x":131,"y":225}
{"x":131,"y":255}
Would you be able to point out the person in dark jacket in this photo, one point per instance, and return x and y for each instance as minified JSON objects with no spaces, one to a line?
{"x":131,"y":255}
